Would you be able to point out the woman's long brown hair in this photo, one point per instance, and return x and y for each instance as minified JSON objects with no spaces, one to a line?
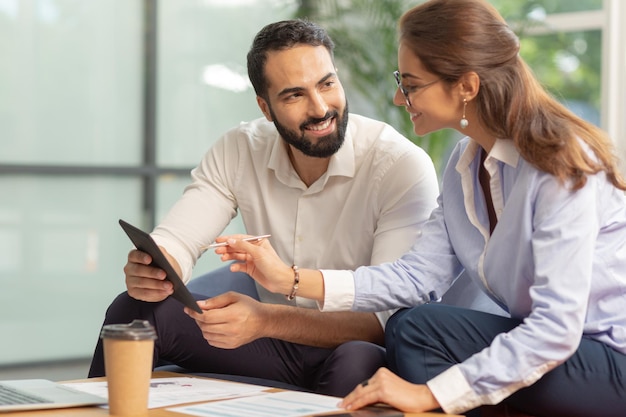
{"x":454,"y":37}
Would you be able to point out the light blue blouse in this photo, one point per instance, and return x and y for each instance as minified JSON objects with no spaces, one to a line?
{"x":556,"y":258}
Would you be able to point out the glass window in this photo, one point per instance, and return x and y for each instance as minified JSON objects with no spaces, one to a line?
{"x":523,"y":8}
{"x":569,"y":65}
{"x":203,"y":82}
{"x":73,"y":96}
{"x":61,"y":263}
{"x":70,"y":82}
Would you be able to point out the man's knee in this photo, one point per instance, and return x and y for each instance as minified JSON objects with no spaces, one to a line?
{"x":120,"y":308}
{"x":359,"y":354}
{"x":348,"y":365}
{"x":355,"y":361}
{"x":125,"y":309}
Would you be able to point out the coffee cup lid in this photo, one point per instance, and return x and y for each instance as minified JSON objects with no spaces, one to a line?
{"x":136,"y":330}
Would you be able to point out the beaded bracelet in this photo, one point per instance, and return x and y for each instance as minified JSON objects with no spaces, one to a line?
{"x":296,"y":282}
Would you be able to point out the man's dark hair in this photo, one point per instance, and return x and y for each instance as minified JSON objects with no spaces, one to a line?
{"x":279,"y":36}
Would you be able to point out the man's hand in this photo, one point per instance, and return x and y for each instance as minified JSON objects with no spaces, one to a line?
{"x":230,"y":320}
{"x":145,"y":282}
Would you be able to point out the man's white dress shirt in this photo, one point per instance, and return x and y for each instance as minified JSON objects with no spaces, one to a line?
{"x":366,"y":209}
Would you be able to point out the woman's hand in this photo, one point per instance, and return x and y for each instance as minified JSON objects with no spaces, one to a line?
{"x":259,"y":260}
{"x":386,"y":387}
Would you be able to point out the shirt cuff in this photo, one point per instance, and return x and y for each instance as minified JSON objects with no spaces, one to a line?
{"x":338,"y":291}
{"x":453,"y":392}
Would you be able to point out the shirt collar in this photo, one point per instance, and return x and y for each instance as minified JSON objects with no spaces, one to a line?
{"x":503,"y":150}
{"x":342,"y":163}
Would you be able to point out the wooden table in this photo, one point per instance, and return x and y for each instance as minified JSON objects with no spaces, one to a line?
{"x":153,"y":412}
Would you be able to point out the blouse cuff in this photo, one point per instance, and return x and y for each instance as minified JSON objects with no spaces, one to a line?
{"x":338,"y":291}
{"x":453,"y":392}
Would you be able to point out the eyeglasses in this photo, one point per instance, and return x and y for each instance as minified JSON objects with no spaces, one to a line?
{"x":405,"y":92}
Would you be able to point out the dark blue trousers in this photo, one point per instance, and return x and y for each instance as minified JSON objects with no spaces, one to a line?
{"x":424,"y":341}
{"x":327,"y":371}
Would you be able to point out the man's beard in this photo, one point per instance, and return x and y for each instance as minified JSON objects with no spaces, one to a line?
{"x":326,"y":145}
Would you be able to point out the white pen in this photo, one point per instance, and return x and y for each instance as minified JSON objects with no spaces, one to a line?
{"x":247,"y":239}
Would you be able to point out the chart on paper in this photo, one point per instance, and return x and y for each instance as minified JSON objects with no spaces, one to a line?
{"x":284,"y":404}
{"x":180,"y":390}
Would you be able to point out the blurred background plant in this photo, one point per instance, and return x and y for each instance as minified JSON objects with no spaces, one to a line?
{"x":365,"y":34}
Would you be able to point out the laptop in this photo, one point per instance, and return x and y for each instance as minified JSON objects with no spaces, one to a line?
{"x":39,"y":394}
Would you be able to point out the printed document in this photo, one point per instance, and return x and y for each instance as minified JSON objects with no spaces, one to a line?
{"x":180,"y":390}
{"x":284,"y":404}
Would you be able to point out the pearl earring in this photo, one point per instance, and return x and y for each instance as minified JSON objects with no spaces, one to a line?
{"x":464,"y":122}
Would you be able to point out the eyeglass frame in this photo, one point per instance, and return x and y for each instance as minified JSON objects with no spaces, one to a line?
{"x":405,"y":92}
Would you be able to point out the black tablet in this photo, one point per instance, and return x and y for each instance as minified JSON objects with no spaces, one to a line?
{"x":144,"y":242}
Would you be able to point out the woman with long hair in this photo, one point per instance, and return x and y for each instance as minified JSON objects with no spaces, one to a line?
{"x":532,"y":208}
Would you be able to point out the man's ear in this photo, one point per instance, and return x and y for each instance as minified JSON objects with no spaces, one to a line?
{"x":265,"y":108}
{"x":469,"y":84}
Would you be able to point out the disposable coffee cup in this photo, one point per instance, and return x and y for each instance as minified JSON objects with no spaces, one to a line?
{"x":128,"y":352}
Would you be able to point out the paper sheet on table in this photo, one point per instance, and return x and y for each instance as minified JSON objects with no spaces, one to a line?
{"x":180,"y":390}
{"x":284,"y":404}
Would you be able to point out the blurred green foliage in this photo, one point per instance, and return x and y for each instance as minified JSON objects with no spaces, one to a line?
{"x":365,"y":34}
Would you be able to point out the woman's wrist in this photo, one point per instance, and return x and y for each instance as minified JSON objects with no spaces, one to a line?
{"x":286,"y":281}
{"x":296,"y":283}
{"x":311,"y":284}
